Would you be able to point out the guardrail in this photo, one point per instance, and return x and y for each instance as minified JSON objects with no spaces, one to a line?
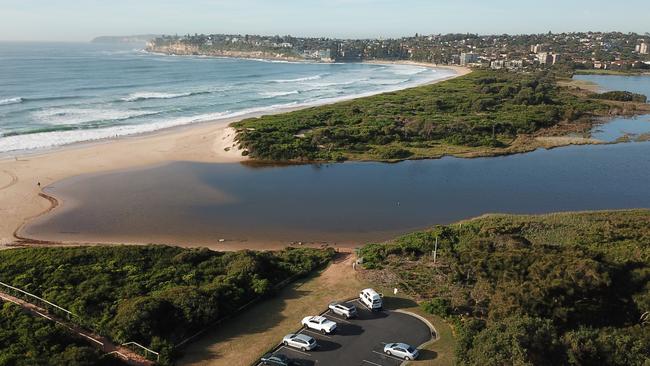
{"x":74,"y":319}
{"x":140,"y":347}
{"x":18,"y":292}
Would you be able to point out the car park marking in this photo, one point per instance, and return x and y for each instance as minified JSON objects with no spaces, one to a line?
{"x":372,"y":363}
{"x":337,"y":318}
{"x":317,"y":333}
{"x":294,"y":350}
{"x":389,"y":356}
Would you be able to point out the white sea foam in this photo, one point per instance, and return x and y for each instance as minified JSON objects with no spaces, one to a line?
{"x":79,"y":115}
{"x":43,"y":140}
{"x":388,"y":81}
{"x":275,"y":61}
{"x":135,"y":97}
{"x":335,"y":83}
{"x":75,"y":116}
{"x":315,"y":77}
{"x":11,"y":101}
{"x":279,"y":94}
{"x":408,"y":70}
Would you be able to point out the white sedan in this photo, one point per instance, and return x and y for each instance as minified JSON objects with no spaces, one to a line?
{"x":401,"y":350}
{"x":319,"y":323}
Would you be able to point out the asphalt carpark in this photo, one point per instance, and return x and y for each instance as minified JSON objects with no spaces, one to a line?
{"x":361,"y":340}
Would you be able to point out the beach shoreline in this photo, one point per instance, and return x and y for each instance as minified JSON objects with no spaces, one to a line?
{"x":22,"y":176}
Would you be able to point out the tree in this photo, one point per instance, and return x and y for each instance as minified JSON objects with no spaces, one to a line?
{"x":517,"y":341}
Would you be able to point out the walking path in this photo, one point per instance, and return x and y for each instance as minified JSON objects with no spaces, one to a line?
{"x":105,"y":345}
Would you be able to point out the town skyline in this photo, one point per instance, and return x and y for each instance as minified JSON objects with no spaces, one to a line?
{"x":72,"y":20}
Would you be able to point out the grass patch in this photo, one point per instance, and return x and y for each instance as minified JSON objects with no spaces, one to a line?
{"x":242,"y":340}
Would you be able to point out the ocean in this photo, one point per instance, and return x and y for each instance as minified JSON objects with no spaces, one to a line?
{"x":53,"y":94}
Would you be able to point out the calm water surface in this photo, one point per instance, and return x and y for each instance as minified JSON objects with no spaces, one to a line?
{"x":345,"y":203}
{"x":342,"y":202}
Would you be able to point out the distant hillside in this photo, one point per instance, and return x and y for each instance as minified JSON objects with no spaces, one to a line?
{"x":143,"y":38}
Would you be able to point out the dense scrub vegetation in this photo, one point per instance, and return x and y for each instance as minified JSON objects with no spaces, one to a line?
{"x":532,"y":290}
{"x":26,"y":340}
{"x":621,"y":96}
{"x":485,"y":109}
{"x":154,"y":295}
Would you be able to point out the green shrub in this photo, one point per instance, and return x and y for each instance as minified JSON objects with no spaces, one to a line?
{"x":153,"y":294}
{"x":532,"y":290}
{"x":438,"y":306}
{"x":481,"y":109}
{"x":621,"y":96}
{"x":392,"y":152}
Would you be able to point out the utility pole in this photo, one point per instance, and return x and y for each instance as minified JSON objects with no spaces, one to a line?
{"x":435,"y":251}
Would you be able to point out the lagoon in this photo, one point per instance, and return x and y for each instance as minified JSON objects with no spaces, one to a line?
{"x":350,"y":203}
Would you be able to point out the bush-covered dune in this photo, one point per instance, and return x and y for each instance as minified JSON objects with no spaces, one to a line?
{"x":154,"y":295}
{"x":484,"y":111}
{"x":532,"y":290}
{"x":621,"y":96}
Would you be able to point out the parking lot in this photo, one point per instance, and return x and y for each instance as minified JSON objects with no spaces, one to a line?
{"x":361,"y":340}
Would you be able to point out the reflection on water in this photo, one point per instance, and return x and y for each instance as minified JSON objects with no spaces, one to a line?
{"x":618,"y":128}
{"x":350,"y":202}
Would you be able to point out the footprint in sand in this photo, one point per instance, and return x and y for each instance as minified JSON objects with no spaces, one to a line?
{"x":7,"y":179}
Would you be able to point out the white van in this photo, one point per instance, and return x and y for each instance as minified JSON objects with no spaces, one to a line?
{"x":371,"y":299}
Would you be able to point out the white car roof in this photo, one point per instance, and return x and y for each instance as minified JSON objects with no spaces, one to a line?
{"x":304,"y":337}
{"x":401,"y":345}
{"x":318,"y":318}
{"x":345,"y":306}
{"x":372,"y":293}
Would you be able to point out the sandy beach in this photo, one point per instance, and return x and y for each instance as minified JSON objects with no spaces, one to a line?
{"x":22,"y":176}
{"x":459,"y":70}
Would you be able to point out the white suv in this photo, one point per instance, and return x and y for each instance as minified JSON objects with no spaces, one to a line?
{"x":371,"y":299}
{"x":319,"y":323}
{"x":300,"y":341}
{"x":343,"y":309}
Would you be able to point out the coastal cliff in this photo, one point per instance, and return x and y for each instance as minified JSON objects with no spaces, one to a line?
{"x":185,"y":49}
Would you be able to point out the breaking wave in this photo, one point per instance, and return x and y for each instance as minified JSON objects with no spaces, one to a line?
{"x":139,"y":96}
{"x":11,"y":101}
{"x":279,"y":94}
{"x":76,"y":116}
{"x":307,"y":78}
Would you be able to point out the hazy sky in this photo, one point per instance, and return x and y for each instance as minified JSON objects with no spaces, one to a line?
{"x":81,"y":20}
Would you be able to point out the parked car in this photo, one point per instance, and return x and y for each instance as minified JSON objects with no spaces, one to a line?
{"x":300,"y":341}
{"x":401,"y":350}
{"x":275,"y":360}
{"x":343,"y":309}
{"x":319,"y":323}
{"x":371,"y":299}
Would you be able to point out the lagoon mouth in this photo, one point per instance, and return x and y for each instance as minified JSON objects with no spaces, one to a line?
{"x":347,"y":204}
